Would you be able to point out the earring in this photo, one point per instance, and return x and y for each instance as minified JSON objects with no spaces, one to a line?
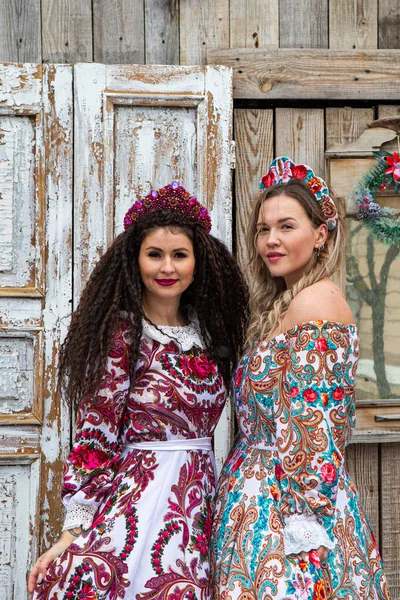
{"x":319,"y":250}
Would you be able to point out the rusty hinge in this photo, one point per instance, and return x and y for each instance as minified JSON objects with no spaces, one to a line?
{"x":233,"y":154}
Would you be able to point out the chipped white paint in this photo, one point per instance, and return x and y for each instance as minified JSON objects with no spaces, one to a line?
{"x":15,"y":439}
{"x":143,"y":135}
{"x":20,"y":312}
{"x":138,"y":127}
{"x":18,"y":493}
{"x":16,"y":374}
{"x":58,"y":127}
{"x":20,"y":88}
{"x":17,"y":205}
{"x":35,"y":306}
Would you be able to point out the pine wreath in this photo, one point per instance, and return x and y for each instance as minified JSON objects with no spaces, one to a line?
{"x":383,"y":223}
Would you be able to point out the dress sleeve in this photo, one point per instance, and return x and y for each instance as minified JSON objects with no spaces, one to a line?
{"x":90,"y":467}
{"x":314,"y":423}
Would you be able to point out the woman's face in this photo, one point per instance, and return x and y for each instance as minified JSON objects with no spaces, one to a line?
{"x":286,"y":239}
{"x":166,"y":263}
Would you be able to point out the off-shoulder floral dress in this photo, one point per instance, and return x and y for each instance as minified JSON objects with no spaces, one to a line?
{"x":140,"y":478}
{"x":284,"y":487}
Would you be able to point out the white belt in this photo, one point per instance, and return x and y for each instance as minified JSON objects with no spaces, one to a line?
{"x":173,"y":445}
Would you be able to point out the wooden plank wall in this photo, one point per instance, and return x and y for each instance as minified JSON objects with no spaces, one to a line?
{"x":183,"y":31}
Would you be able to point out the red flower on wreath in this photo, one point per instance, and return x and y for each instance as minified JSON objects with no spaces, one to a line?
{"x":315,"y":185}
{"x":299,"y":171}
{"x":394,"y":166}
{"x":268,"y":179}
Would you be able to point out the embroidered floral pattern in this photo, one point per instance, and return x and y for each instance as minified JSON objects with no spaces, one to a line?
{"x":195,"y":369}
{"x":294,"y":398}
{"x":149,"y":539}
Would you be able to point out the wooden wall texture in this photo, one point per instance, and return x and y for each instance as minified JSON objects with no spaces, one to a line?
{"x":183,"y":32}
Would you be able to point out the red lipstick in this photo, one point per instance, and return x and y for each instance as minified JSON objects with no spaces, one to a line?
{"x":166,"y":282}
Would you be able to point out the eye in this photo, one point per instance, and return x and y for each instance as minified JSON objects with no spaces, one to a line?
{"x":154,"y":254}
{"x":181,"y":255}
{"x":262,"y":230}
{"x":287,"y":226}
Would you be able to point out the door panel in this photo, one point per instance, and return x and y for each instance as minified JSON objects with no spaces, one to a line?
{"x":35,"y":294}
{"x":138,"y":128}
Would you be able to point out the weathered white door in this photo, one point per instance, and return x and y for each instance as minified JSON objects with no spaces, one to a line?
{"x":140,"y":127}
{"x":35,"y":293}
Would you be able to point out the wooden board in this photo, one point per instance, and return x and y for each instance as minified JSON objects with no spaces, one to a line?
{"x":389,"y":24}
{"x":353,"y":25}
{"x":389,"y":110}
{"x":67,"y":30}
{"x":303,"y":24}
{"x":390,"y":515}
{"x":300,"y":136}
{"x":162,"y":32}
{"x":203,"y":26}
{"x":254,"y":23}
{"x":346,"y":124}
{"x":312,"y":74}
{"x":118,"y":31}
{"x":254,"y":137}
{"x":362,"y":461}
{"x":20,"y":31}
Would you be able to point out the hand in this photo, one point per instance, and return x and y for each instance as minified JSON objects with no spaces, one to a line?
{"x":39,"y":570}
{"x":322,"y":554}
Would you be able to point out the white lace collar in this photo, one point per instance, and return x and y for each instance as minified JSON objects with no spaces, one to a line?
{"x":186,"y":336}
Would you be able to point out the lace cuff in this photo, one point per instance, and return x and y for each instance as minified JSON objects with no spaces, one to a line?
{"x":303,"y":533}
{"x":79,"y":515}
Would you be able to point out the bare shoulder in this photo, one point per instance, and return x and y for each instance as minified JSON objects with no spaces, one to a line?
{"x":321,"y":301}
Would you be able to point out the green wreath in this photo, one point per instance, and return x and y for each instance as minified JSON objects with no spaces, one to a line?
{"x":383,"y":223}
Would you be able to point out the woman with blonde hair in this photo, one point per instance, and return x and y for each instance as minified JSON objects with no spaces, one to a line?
{"x":288,"y":518}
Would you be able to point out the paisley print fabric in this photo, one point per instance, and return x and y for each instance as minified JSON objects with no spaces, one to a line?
{"x":284,"y":487}
{"x":149,"y":534}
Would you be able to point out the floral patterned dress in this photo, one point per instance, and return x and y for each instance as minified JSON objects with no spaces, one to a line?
{"x":147,"y":511}
{"x":284,"y":487}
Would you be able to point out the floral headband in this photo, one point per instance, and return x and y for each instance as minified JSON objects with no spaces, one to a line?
{"x":171,"y":197}
{"x":282,"y":170}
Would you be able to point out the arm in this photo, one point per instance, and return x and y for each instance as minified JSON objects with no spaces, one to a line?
{"x":90,"y":467}
{"x":312,"y":431}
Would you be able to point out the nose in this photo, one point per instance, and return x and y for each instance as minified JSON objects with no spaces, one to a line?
{"x":167,"y":266}
{"x":273,"y":238}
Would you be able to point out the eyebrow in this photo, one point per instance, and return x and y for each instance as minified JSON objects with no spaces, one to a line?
{"x":161,"y":250}
{"x":279,"y":220}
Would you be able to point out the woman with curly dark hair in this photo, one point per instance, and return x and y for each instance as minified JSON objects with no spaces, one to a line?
{"x":147,"y":360}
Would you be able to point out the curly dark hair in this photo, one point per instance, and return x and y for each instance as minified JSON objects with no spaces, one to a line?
{"x":218,"y":295}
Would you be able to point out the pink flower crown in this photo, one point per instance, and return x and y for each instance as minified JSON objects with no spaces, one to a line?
{"x":282,"y":170}
{"x":171,"y":197}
